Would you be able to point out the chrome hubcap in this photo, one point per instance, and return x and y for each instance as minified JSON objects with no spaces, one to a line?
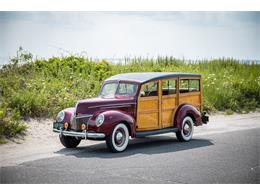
{"x":187,"y":129}
{"x":119,"y":136}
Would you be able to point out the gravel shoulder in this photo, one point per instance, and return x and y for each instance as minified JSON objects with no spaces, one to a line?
{"x":40,"y":142}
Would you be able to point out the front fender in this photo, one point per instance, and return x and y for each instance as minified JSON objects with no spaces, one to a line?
{"x":112,"y":118}
{"x":184,"y":110}
{"x":68,"y":113}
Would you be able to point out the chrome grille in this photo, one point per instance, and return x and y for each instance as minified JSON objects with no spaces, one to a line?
{"x":73,"y":122}
{"x":81,"y":120}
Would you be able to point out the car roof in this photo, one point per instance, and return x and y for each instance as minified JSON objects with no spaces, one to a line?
{"x":143,"y":77}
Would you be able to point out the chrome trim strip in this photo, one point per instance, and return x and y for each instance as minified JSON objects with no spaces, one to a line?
{"x":73,"y":121}
{"x":114,"y":105}
{"x":117,"y":106}
{"x":84,"y":134}
{"x":84,"y":116}
{"x":155,"y":132}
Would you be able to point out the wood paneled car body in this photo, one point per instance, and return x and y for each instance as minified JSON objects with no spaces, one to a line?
{"x":136,"y":105}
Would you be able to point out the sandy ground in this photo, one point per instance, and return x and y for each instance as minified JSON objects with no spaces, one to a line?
{"x":40,"y":142}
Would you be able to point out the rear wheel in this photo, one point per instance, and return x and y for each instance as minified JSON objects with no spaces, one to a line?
{"x":118,"y":140}
{"x":186,"y":131}
{"x":69,"y":142}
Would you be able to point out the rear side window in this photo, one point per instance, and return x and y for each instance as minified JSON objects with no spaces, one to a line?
{"x":168,"y":87}
{"x":149,"y":89}
{"x":189,"y":85}
{"x":194,"y":85}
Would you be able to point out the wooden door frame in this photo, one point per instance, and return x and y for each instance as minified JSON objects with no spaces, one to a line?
{"x":160,"y":103}
{"x":167,"y":96}
{"x":139,"y":99}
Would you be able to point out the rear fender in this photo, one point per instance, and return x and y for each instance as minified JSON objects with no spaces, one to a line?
{"x":187,"y":110}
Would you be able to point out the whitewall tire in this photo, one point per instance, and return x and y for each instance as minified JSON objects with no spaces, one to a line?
{"x":118,"y":140}
{"x":186,"y":131}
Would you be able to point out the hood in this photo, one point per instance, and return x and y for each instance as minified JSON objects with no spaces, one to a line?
{"x":89,"y":106}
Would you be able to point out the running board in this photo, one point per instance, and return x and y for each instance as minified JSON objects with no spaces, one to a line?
{"x":155,"y":132}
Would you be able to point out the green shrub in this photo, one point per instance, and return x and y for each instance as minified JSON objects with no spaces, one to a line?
{"x":28,"y":103}
{"x":10,"y":123}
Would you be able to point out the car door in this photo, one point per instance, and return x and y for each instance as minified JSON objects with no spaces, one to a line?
{"x":169,"y":101}
{"x":148,"y":107}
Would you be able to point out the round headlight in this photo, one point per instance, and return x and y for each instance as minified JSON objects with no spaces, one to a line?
{"x":99,"y":120}
{"x":60,"y":116}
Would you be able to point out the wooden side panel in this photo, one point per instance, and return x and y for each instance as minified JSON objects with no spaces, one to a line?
{"x":148,"y":113}
{"x":148,"y":121}
{"x":168,"y":102}
{"x":157,"y":112}
{"x":168,"y":109}
{"x":191,"y":98}
{"x":148,"y":104}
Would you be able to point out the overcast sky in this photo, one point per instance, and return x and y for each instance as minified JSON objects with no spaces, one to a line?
{"x":189,"y":35}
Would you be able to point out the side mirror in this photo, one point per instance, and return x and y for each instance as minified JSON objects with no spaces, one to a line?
{"x":142,"y":94}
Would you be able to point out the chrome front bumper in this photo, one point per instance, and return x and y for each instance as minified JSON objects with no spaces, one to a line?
{"x":84,"y":134}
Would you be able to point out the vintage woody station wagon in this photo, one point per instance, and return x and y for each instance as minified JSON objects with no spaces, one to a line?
{"x":136,"y":105}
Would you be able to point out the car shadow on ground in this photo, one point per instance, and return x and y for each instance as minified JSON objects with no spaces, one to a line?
{"x":148,"y":145}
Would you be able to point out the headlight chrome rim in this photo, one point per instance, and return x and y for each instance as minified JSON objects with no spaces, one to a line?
{"x":60,"y":117}
{"x":100,"y":120}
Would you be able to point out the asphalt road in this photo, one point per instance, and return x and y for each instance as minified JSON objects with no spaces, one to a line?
{"x":226,"y":157}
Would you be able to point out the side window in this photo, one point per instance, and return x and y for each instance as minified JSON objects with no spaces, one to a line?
{"x":194,"y":85}
{"x":168,"y":87}
{"x":149,"y":89}
{"x":189,"y":85}
{"x":184,"y":86}
{"x":127,"y":89}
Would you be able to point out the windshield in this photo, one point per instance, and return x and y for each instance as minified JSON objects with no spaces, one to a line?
{"x":123,"y":89}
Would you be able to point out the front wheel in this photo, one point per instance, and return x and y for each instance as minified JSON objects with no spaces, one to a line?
{"x":69,"y":142}
{"x":186,"y":131}
{"x":118,"y":140}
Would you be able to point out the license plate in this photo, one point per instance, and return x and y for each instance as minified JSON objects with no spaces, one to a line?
{"x":57,"y":125}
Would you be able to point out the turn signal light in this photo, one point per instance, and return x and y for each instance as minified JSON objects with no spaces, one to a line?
{"x":83,"y":126}
{"x":66,"y":125}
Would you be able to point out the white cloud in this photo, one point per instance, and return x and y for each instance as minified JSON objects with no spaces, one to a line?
{"x":191,"y":35}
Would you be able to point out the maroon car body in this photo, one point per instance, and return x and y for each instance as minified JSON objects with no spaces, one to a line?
{"x":80,"y":122}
